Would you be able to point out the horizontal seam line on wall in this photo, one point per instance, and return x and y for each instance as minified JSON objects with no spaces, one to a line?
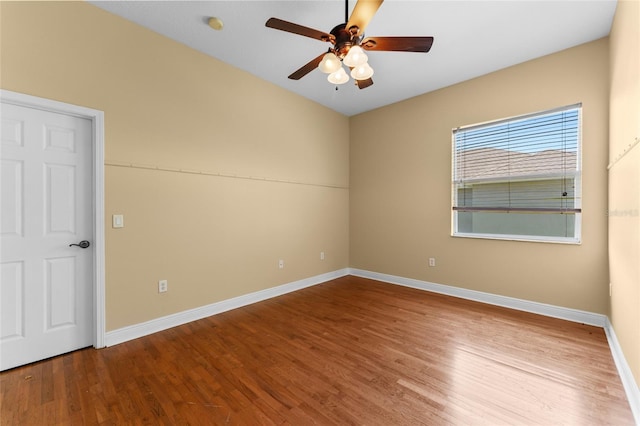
{"x":216,"y":174}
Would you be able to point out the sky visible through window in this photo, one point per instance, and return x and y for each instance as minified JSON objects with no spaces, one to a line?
{"x":554,"y":131}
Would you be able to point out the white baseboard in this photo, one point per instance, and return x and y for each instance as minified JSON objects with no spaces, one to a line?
{"x":624,"y":371}
{"x":626,"y":376}
{"x":631,"y":388}
{"x":491,"y":299}
{"x":131,"y":332}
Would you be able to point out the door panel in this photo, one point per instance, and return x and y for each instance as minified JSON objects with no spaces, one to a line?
{"x":11,"y":295}
{"x":46,"y":292}
{"x":61,"y":292}
{"x":60,"y":196}
{"x":12,"y":211}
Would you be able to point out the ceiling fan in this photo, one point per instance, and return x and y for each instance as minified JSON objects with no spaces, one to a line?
{"x":348,"y":42}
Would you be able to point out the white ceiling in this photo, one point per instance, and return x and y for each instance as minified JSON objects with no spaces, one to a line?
{"x":472,"y":38}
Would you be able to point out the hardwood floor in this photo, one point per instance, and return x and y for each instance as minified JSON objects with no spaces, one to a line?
{"x":350,"y":351}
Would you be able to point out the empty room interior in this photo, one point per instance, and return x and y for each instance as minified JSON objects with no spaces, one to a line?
{"x":226,"y":203}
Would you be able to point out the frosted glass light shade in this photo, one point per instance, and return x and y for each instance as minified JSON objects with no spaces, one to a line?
{"x":329,"y":63}
{"x":362,"y":72}
{"x":338,"y":77}
{"x":355,"y":57}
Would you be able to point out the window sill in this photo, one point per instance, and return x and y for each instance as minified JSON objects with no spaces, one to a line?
{"x":525,"y":238}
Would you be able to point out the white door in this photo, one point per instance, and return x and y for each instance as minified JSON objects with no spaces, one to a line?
{"x":46,"y":287}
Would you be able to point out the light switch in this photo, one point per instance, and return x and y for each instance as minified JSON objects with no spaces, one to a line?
{"x":118,"y":221}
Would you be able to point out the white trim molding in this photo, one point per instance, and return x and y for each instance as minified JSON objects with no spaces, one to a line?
{"x":491,"y":299}
{"x":574,"y":315}
{"x":153,"y":326}
{"x":135,"y":331}
{"x":626,"y":375}
{"x":97,"y":119}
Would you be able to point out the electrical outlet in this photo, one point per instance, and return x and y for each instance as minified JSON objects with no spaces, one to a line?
{"x":280,"y":263}
{"x":163,"y":286}
{"x":432,"y":262}
{"x":321,"y":255}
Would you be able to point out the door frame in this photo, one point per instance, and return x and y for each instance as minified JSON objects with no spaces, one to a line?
{"x":97,"y":147}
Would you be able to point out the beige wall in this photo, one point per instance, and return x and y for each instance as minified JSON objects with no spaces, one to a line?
{"x":218,"y":237}
{"x":401,"y":185}
{"x":624,"y":180}
{"x":169,"y":106}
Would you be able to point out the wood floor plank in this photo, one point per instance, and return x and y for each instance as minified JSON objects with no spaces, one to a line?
{"x":349,"y":351}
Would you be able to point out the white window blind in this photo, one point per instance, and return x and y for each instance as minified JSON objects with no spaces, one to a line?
{"x":519,"y":178}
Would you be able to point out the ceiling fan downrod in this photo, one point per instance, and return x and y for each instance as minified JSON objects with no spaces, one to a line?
{"x":346,"y":10}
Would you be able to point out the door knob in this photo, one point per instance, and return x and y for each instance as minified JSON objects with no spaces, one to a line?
{"x":82,"y":244}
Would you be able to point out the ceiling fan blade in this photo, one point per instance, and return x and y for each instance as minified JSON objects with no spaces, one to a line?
{"x":362,"y":14}
{"x":290,"y":27}
{"x":399,"y":44}
{"x":307,"y":68}
{"x":363,"y":84}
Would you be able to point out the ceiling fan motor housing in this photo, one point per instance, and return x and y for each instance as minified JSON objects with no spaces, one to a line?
{"x":344,"y":39}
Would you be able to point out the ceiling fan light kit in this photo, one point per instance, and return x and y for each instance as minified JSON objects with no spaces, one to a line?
{"x":355,"y":57}
{"x":362,"y":72}
{"x":330,"y":63}
{"x":349,"y":45}
{"x":338,"y":77}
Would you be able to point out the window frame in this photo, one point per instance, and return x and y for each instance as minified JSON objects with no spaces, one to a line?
{"x":576,"y":239}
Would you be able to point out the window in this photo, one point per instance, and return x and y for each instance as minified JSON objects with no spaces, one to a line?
{"x":519,"y":178}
